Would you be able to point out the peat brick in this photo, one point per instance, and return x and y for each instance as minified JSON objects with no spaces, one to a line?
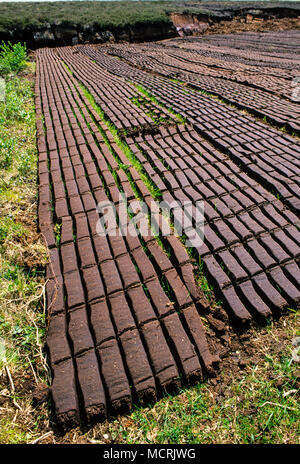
{"x":270,"y":293}
{"x":64,"y":393}
{"x":162,"y":361}
{"x":74,"y":289}
{"x":254,"y":300}
{"x":111,"y":277}
{"x":188,"y":360}
{"x":91,"y":386}
{"x":57,"y":341}
{"x":93,"y":283}
{"x":69,"y":258}
{"x":101,"y":322}
{"x":86,"y":252}
{"x":79,"y":331}
{"x":121,"y":313}
{"x":127,"y":271}
{"x":114,"y":376}
{"x":138,"y":365}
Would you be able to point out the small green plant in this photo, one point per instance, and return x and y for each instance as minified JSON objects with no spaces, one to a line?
{"x":57,"y":232}
{"x":12,"y":58}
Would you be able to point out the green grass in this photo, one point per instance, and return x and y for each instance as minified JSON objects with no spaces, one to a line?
{"x":9,"y":230}
{"x":17,"y":132}
{"x":20,"y":273}
{"x":22,"y":260}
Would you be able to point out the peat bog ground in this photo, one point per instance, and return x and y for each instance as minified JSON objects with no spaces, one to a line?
{"x":148,"y":339}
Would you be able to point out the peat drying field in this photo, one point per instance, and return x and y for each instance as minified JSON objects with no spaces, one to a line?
{"x":212,"y":119}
